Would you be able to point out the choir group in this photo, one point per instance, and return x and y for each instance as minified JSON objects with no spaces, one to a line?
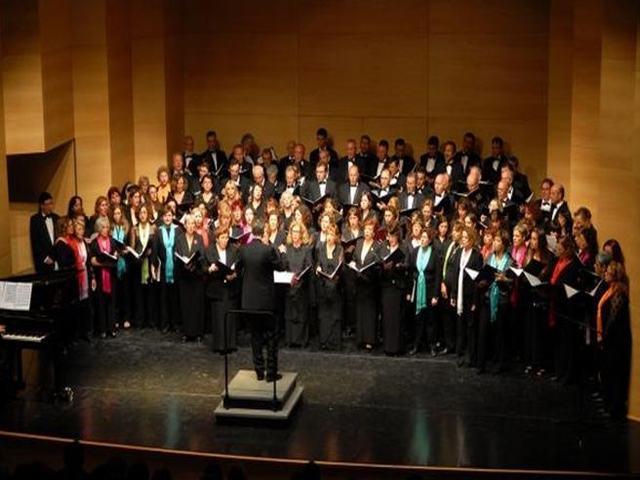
{"x":450,"y":254}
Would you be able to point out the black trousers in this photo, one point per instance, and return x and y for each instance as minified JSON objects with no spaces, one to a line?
{"x":425,"y":323}
{"x":447,"y":319}
{"x":105,"y":312}
{"x":467,"y":329}
{"x":169,"y":306}
{"x":264,"y":335}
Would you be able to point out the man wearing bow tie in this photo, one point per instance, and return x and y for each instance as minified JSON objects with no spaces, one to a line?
{"x":410,"y":198}
{"x":351,"y":192}
{"x":544,"y":202}
{"x":321,"y":186}
{"x":340,"y":175}
{"x":216,"y":158}
{"x":42,"y":234}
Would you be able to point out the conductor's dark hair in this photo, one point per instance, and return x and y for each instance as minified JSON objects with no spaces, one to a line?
{"x":433,"y":140}
{"x":399,"y":142}
{"x":384,"y":143}
{"x":365,"y":137}
{"x":44,"y":197}
{"x":497,"y":141}
{"x":470,"y":135}
{"x":322,"y":132}
{"x":257,"y":228}
{"x":211,"y":133}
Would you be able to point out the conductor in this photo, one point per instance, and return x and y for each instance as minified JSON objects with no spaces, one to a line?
{"x":258,"y":261}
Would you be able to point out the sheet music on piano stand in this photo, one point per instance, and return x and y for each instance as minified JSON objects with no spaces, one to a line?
{"x":16,"y":295}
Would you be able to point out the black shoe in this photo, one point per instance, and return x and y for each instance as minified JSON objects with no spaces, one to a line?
{"x":259,"y":375}
{"x":273,"y":378}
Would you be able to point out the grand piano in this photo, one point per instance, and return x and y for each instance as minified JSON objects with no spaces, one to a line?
{"x":42,"y":322}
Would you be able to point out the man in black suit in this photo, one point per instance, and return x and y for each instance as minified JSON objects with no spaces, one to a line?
{"x":365,"y":159}
{"x":42,"y":234}
{"x":544,"y":202}
{"x":405,"y":162}
{"x":382,"y":157}
{"x":191,"y":159}
{"x":409,"y":198}
{"x":467,"y":157}
{"x":492,"y":166}
{"x":558,"y":203}
{"x":216,"y":158}
{"x":397,"y":178}
{"x":257,"y":261}
{"x":340,"y":175}
{"x":351,"y":192}
{"x":442,"y":202}
{"x":284,"y":162}
{"x":322,"y":137}
{"x":433,"y":160}
{"x":453,"y":166}
{"x":315,"y":189}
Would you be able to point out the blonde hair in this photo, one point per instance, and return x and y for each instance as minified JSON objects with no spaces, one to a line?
{"x":304,"y":233}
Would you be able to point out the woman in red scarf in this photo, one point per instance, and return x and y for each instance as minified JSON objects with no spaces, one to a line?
{"x":84,"y":275}
{"x":102,"y":252}
{"x":613,"y":326}
{"x":565,"y":271}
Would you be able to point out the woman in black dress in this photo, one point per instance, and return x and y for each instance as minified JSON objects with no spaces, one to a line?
{"x":425,"y":291}
{"x":351,"y":232}
{"x":296,"y":308}
{"x":142,"y":238}
{"x":222,"y":290}
{"x":365,"y":255}
{"x":613,"y":327}
{"x":208,"y":196}
{"x":191,"y":267}
{"x":328,"y":293}
{"x":393,"y":285}
{"x":104,"y":256}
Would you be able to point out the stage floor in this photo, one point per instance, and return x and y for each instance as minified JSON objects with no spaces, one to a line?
{"x":147,"y":389}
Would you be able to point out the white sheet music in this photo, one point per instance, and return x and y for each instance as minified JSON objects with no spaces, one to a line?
{"x":533,"y":280}
{"x":517,"y":271}
{"x":283,"y":277}
{"x":570,"y":291}
{"x":16,"y":296}
{"x":472,"y":273}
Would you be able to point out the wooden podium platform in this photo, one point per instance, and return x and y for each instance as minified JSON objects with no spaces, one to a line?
{"x":252,"y":399}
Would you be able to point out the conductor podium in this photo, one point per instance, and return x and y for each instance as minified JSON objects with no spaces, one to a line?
{"x":246,"y":397}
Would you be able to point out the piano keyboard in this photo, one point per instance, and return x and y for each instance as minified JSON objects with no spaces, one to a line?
{"x":23,"y":337}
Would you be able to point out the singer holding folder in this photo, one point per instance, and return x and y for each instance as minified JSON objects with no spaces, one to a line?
{"x":328,"y":270}
{"x":189,"y":253}
{"x":222,"y":289}
{"x":102,"y":252}
{"x":298,"y":259}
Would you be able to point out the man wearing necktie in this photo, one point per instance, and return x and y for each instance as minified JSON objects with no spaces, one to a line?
{"x":42,"y":234}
